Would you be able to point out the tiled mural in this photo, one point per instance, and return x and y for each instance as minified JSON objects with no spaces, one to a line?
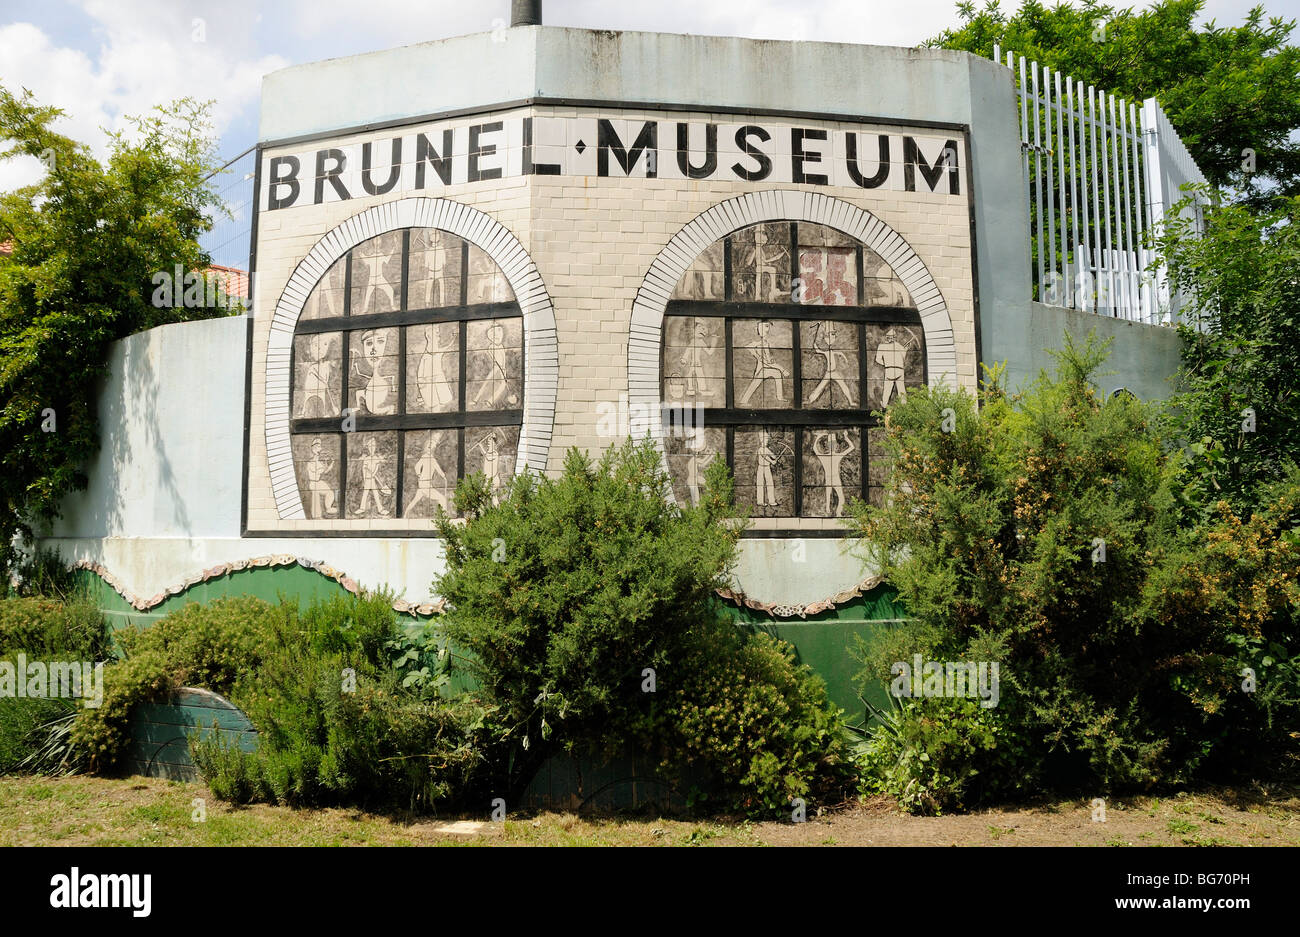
{"x":790,"y":394}
{"x":400,"y":343}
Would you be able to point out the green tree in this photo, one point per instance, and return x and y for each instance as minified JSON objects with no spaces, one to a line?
{"x":1055,"y":534}
{"x":87,"y":240}
{"x":1240,"y":408}
{"x":566,"y":590}
{"x":1229,"y":91}
{"x":587,"y":603}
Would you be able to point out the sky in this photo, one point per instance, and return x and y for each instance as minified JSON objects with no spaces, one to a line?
{"x":101,"y":60}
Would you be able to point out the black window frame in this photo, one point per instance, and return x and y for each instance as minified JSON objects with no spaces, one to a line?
{"x":401,"y":422}
{"x":796,"y":417}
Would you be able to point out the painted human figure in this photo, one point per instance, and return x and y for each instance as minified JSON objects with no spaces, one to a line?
{"x":763,"y":262}
{"x":891,"y":354}
{"x":326,"y":296}
{"x":319,"y":377}
{"x":496,"y":384}
{"x":375,"y":281}
{"x":427,"y":471}
{"x":322,"y":493}
{"x":766,"y":457}
{"x":432,"y":384}
{"x":372,"y":486}
{"x":490,"y":448}
{"x":824,"y":345}
{"x":378,"y":393}
{"x":826,"y":448}
{"x":705,"y":282}
{"x":435,"y":260}
{"x":765,"y":366}
{"x":701,"y":346}
{"x":694,"y":446}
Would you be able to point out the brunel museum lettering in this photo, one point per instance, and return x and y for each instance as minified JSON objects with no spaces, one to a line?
{"x":437,"y":155}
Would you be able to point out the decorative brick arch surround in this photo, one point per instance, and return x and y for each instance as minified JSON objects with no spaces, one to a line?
{"x":541,"y":353}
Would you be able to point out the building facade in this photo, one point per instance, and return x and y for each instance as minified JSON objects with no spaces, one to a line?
{"x":471,"y":255}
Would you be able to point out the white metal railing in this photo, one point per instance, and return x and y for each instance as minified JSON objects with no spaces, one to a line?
{"x":1100,"y":175}
{"x":228,"y":240}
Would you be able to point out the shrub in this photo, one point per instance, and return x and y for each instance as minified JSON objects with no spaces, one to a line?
{"x":34,"y":732}
{"x":1119,"y":669}
{"x":52,"y":628}
{"x":209,"y":646}
{"x":31,"y":736}
{"x":42,"y":572}
{"x":928,"y":754}
{"x":757,"y":724}
{"x":340,"y":720}
{"x":570,"y":593}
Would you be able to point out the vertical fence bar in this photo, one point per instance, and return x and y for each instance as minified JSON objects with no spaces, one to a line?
{"x":1024,"y":150}
{"x":1155,"y":196}
{"x":1140,"y":212}
{"x":1060,"y":166}
{"x":1096,"y":199}
{"x":1130,"y":239}
{"x":1105,"y":192}
{"x":1038,"y":182}
{"x":1121,"y":204}
{"x":1050,"y":148}
{"x":1116,"y":275}
{"x":1079,"y":194}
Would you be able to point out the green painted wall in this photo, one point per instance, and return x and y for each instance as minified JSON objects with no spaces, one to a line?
{"x":824,"y":641}
{"x":269,"y":583}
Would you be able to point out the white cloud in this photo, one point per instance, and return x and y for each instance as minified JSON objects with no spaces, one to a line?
{"x":149,"y":53}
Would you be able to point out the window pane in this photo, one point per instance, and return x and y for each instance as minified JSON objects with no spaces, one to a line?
{"x":703,"y":281}
{"x":316,"y":462}
{"x":877,"y":467}
{"x":494,"y":376}
{"x":372,"y":382}
{"x":434,"y":274}
{"x":894,"y":362}
{"x":689,"y":455}
{"x":487,"y":284}
{"x":326,"y":300}
{"x":317,"y":375}
{"x":879,"y":284}
{"x":491,"y":450}
{"x":372,"y":474}
{"x":695,"y":364}
{"x":433,"y":368}
{"x":377,"y":274}
{"x":763,"y":363}
{"x":765,"y":470}
{"x":830,"y":372}
{"x":430,"y":473}
{"x":832,"y":470}
{"x":828,"y":267}
{"x":760,"y":263}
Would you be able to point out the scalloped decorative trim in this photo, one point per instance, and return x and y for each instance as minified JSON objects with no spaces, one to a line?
{"x":222,"y":569}
{"x":777,"y":609}
{"x":784,"y":610}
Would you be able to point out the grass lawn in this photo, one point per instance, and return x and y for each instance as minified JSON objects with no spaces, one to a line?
{"x":146,"y":811}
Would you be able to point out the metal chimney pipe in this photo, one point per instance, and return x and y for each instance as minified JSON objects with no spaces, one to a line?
{"x":525,"y":12}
